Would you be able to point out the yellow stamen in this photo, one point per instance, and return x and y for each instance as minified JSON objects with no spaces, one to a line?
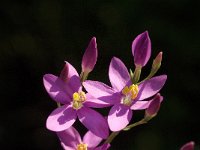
{"x":125,"y":90}
{"x":134,"y":91}
{"x":78,"y":98}
{"x":130,"y":93}
{"x":82,"y":146}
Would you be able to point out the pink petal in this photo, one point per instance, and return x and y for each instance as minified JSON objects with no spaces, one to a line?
{"x":71,"y":70}
{"x":93,"y":121}
{"x":118,"y":74}
{"x":71,"y":77}
{"x":74,"y":84}
{"x":97,"y":89}
{"x":119,"y":117}
{"x":70,"y":137}
{"x":150,"y":87}
{"x":91,"y":139}
{"x":61,"y":118}
{"x":140,"y":105}
{"x":94,"y":102}
{"x":56,"y":88}
{"x":64,"y":73}
{"x":90,"y":56}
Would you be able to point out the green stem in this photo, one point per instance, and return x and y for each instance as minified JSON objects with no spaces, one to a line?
{"x":111,"y":137}
{"x":136,"y":74}
{"x":83,"y":76}
{"x":143,"y":121}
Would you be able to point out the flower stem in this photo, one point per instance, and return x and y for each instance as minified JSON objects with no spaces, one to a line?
{"x":114,"y":134}
{"x":83,"y":76}
{"x":111,"y":137}
{"x":143,"y":121}
{"x":136,"y":75}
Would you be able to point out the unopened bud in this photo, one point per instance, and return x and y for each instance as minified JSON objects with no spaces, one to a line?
{"x":188,"y":146}
{"x":90,"y":57}
{"x":141,"y":49}
{"x":154,"y":106}
{"x":156,"y":65}
{"x":157,"y":62}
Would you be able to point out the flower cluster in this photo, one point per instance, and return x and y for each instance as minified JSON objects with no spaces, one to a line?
{"x":76,"y":96}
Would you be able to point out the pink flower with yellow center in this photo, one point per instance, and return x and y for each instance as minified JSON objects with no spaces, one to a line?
{"x":71,"y":140}
{"x":67,"y":90}
{"x":123,"y":95}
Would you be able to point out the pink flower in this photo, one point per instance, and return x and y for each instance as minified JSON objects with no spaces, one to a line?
{"x":71,"y":140}
{"x":124,"y":95}
{"x":67,"y":90}
{"x":141,"y":49}
{"x":188,"y":146}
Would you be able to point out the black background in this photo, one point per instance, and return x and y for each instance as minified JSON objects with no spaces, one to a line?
{"x":37,"y":36}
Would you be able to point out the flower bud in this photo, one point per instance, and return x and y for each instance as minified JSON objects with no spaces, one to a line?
{"x":188,"y":146}
{"x":156,"y":65}
{"x":141,"y":49}
{"x":90,"y":57}
{"x":157,"y":62}
{"x":154,"y":106}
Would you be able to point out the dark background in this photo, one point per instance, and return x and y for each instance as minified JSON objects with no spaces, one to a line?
{"x":36,"y":36}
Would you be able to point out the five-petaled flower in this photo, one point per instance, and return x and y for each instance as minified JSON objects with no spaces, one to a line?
{"x":67,"y":89}
{"x":71,"y":140}
{"x":124,"y":95}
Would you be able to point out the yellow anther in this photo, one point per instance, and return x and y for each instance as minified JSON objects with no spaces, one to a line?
{"x":125,"y":90}
{"x":130,"y":93}
{"x":79,"y":96}
{"x":76,"y":96}
{"x":76,"y":105}
{"x":131,"y":90}
{"x":134,"y":91}
{"x":82,"y":146}
{"x":82,"y":96}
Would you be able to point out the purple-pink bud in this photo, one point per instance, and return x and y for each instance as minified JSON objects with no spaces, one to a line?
{"x":90,"y":57}
{"x":141,"y":49}
{"x":188,"y":146}
{"x":154,"y":106}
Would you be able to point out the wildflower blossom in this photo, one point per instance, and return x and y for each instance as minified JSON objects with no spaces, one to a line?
{"x":67,"y":90}
{"x":71,"y":140}
{"x":123,"y":95}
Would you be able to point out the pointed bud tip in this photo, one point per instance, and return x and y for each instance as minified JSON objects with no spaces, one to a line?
{"x":158,"y":58}
{"x":90,"y":56}
{"x":188,"y":146}
{"x":154,"y":105}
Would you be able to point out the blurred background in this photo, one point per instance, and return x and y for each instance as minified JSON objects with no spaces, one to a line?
{"x":37,"y":36}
